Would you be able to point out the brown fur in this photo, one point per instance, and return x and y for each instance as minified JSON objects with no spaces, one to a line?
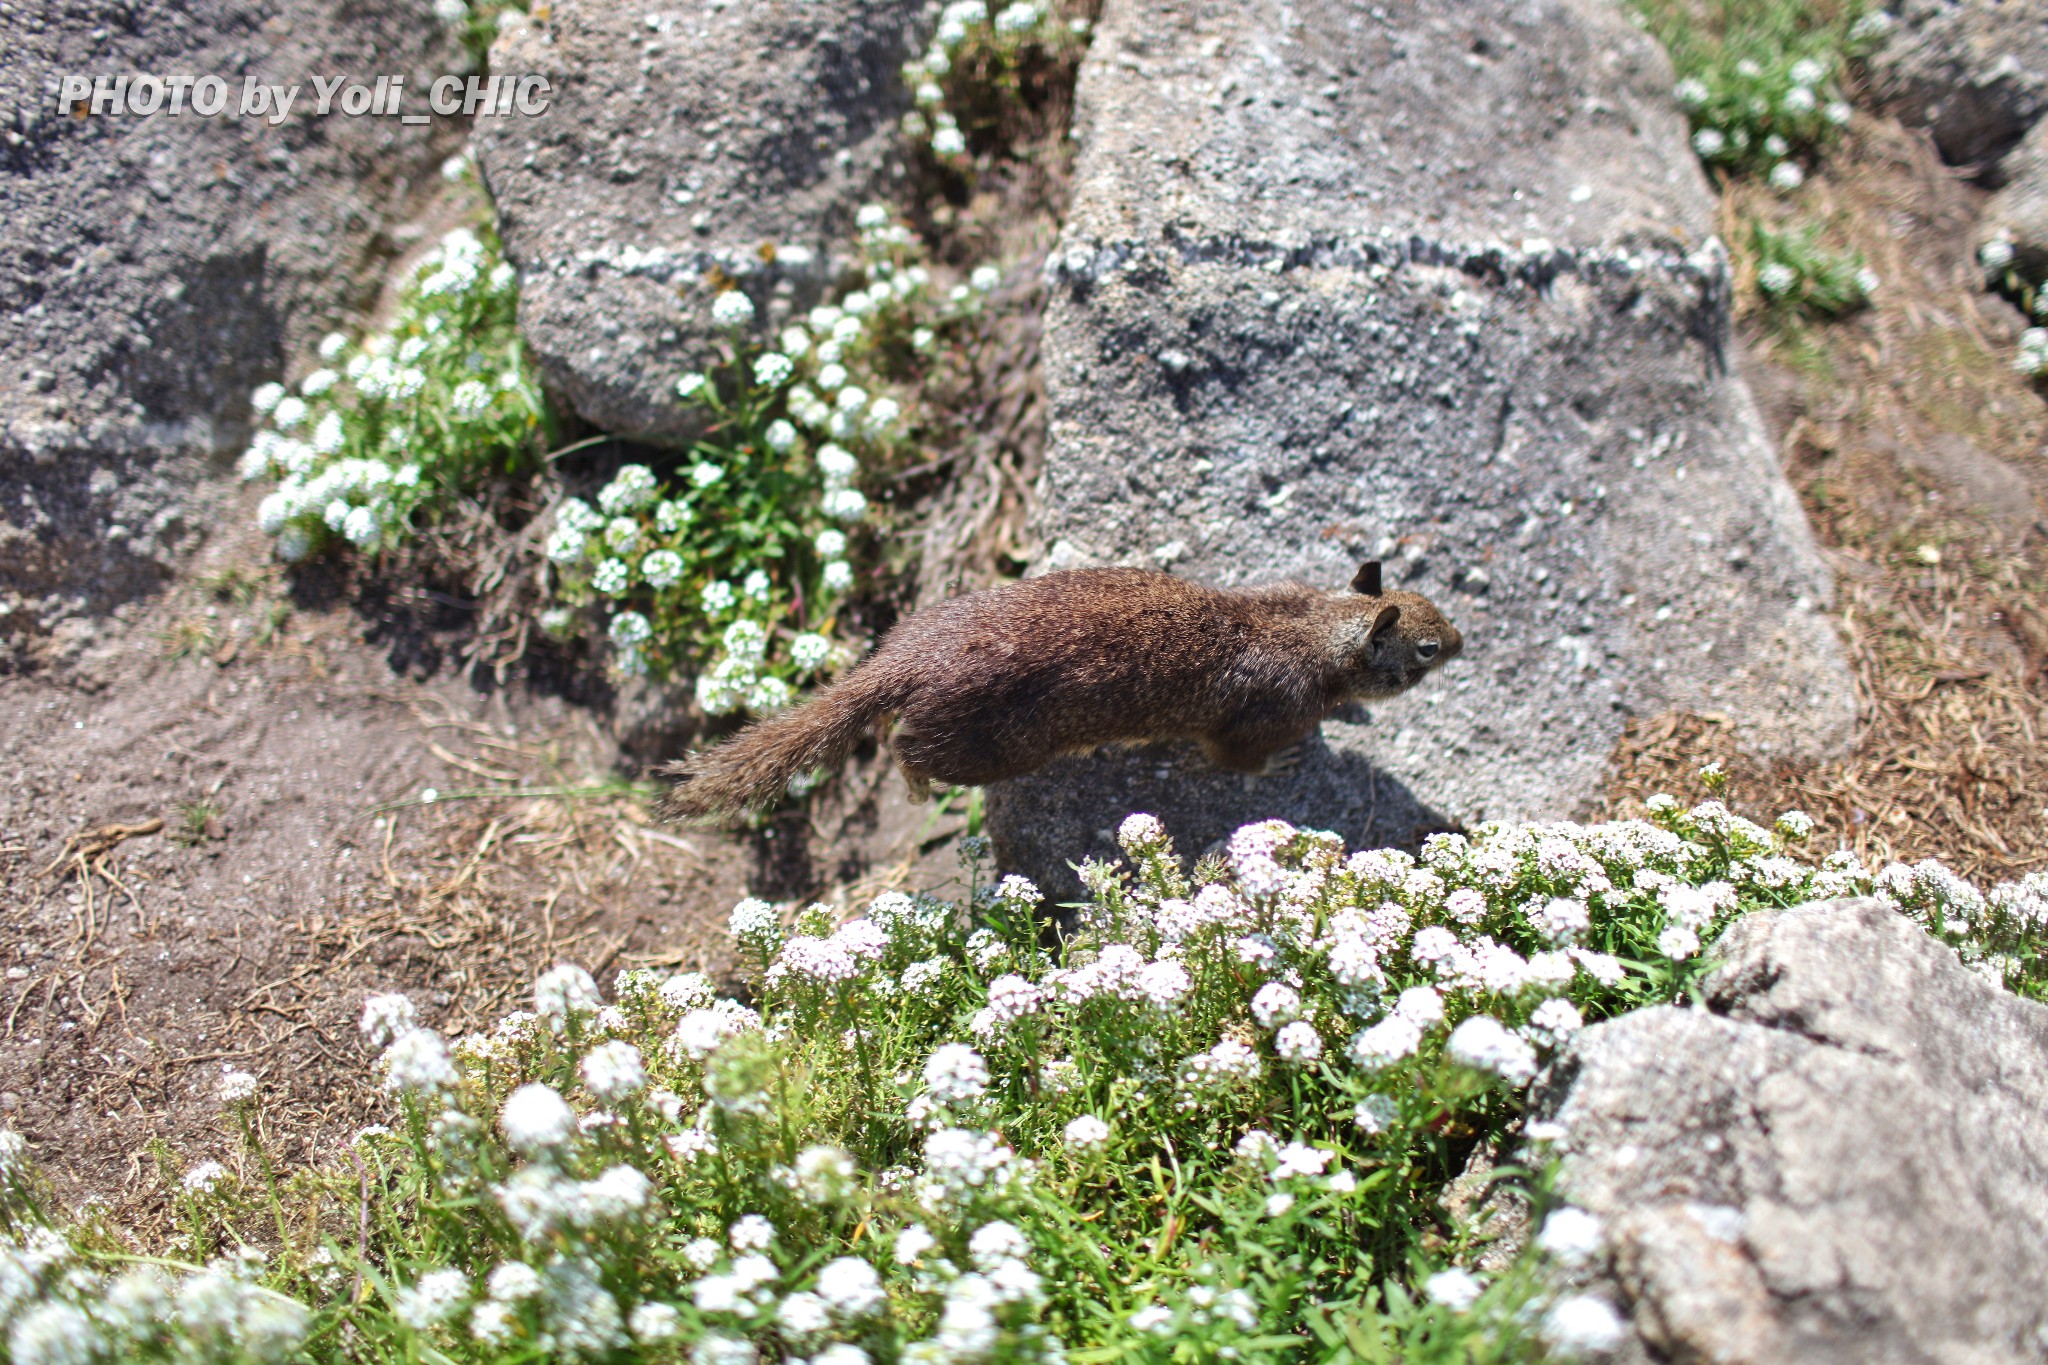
{"x":996,"y":684}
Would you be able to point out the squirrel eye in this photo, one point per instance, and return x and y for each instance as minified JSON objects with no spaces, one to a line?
{"x":1426,"y":648}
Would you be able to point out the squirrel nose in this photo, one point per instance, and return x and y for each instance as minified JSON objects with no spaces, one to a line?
{"x":1426,"y":648}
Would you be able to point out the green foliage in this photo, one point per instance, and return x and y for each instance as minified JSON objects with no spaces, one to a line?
{"x":735,"y":563}
{"x":391,"y":430}
{"x":1761,"y":80}
{"x":969,"y":81}
{"x":1216,"y":1121}
{"x":1796,"y":274}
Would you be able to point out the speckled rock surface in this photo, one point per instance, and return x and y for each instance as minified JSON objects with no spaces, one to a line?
{"x":2019,"y":211}
{"x":1351,"y":280}
{"x":682,"y":141}
{"x":154,"y":269}
{"x":1840,"y":1159}
{"x":1974,"y":71}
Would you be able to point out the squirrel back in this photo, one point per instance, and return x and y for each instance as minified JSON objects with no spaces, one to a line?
{"x":995,"y":684}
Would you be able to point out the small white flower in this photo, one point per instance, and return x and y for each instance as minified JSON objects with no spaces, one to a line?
{"x":1691,"y":92}
{"x":433,"y":1300}
{"x":955,"y":1074}
{"x":1375,"y":1114}
{"x":612,"y":1071}
{"x":1278,"y":1204}
{"x":205,"y":1177}
{"x":1298,"y":1158}
{"x":1274,"y":1004}
{"x":612,"y":577}
{"x":844,"y":504}
{"x":1571,"y":1236}
{"x":1787,"y":176}
{"x":265,"y":397}
{"x":1298,"y":1043}
{"x":1454,"y":1289}
{"x":949,"y":141}
{"x":1556,"y":1020}
{"x":514,"y":1281}
{"x":417,"y":1062}
{"x":1709,"y":142}
{"x":1485,"y":1044}
{"x":773,"y":369}
{"x":690,"y":385}
{"x":564,"y":990}
{"x":780,"y":436}
{"x":732,"y":309}
{"x":1386,"y":1042}
{"x":385,"y":1017}
{"x":1086,"y":1134}
{"x":718,"y":596}
{"x":751,"y":1233}
{"x":661,"y":569}
{"x":1678,"y":943}
{"x":809,"y":651}
{"x":1582,"y":1325}
{"x":1776,"y":278}
{"x":984,"y":279}
{"x":537,"y":1119}
{"x":654,"y":1322}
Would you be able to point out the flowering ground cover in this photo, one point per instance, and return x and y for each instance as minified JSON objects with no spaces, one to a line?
{"x":1212,"y":1119}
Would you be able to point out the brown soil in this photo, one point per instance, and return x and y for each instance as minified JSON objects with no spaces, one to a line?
{"x":1918,"y":452}
{"x":212,"y":848}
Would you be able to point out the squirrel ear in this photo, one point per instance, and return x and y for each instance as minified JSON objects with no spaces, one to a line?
{"x":1367,"y":579}
{"x":1384,"y":621}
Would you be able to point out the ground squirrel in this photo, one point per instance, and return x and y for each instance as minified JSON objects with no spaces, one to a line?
{"x":996,"y":684}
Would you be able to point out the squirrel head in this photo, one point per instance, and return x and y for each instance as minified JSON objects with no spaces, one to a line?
{"x":1385,"y":642}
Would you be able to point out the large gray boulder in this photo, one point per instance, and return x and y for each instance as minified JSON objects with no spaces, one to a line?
{"x":1841,"y":1159}
{"x":1436,"y":286}
{"x":2018,"y":213}
{"x":679,"y":142}
{"x":156,"y":268}
{"x":1974,"y":71}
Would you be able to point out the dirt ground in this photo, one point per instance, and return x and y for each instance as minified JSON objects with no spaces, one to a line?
{"x":1918,"y":451}
{"x":213,"y":844}
{"x":287,"y":743}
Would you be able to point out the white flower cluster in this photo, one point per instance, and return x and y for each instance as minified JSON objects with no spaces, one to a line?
{"x":1749,"y":114}
{"x":1353,"y":998}
{"x":962,"y":22}
{"x":57,"y":1311}
{"x":356,"y":449}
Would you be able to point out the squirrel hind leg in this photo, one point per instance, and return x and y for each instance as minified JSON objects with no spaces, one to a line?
{"x":920,"y":784}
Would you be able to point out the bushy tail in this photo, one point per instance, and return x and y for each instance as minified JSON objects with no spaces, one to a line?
{"x":754,"y":767}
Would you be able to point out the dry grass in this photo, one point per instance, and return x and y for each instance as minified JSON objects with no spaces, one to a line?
{"x":1917,"y":451}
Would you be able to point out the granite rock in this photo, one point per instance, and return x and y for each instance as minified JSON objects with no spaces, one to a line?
{"x":1975,"y":72}
{"x":1440,"y":288}
{"x":155,"y":268}
{"x":682,"y":146}
{"x":1839,"y":1159}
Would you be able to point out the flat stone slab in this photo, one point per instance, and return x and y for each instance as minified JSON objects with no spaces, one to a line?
{"x":1440,"y":288}
{"x":680,"y":141}
{"x":1840,"y":1159}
